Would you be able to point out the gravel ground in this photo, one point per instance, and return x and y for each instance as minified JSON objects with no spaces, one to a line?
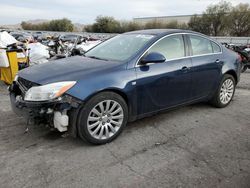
{"x":194,"y":146}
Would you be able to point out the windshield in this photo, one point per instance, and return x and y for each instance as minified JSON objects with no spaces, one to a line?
{"x":120,"y":47}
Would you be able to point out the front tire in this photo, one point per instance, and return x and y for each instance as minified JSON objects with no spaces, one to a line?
{"x":102,"y":118}
{"x":225,"y":92}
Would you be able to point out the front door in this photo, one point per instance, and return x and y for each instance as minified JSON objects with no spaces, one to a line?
{"x":163,"y":85}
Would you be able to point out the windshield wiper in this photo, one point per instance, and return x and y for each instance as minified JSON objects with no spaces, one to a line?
{"x":94,"y":57}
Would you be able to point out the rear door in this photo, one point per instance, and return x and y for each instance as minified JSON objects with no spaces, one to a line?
{"x":206,"y":65}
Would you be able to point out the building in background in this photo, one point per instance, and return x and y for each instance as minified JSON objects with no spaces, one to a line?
{"x":164,"y":19}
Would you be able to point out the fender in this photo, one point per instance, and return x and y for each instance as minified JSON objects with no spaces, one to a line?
{"x":122,"y":82}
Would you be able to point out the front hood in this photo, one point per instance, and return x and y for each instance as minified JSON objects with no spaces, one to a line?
{"x":67,"y":69}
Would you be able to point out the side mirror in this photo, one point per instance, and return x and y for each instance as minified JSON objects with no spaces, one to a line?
{"x":153,"y":57}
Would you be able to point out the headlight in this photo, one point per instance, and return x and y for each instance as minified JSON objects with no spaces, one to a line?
{"x":48,"y":92}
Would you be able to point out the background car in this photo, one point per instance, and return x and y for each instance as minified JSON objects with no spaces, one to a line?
{"x":70,"y":37}
{"x":22,"y":37}
{"x":37,"y":34}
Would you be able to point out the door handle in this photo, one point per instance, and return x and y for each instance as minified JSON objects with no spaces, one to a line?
{"x":217,"y":61}
{"x":185,"y":68}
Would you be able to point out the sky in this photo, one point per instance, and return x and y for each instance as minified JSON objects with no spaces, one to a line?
{"x":85,"y":11}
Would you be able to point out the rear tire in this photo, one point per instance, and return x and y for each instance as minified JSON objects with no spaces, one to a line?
{"x":243,"y":68}
{"x":225,"y":93}
{"x":102,"y":118}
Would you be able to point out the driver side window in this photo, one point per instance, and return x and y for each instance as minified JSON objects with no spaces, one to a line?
{"x":171,"y":47}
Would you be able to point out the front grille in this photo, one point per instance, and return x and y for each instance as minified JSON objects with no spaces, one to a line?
{"x":25,"y":84}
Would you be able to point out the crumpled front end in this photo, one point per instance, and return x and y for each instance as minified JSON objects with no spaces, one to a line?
{"x":57,"y":112}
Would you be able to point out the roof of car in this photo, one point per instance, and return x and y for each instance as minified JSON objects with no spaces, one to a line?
{"x":19,"y":33}
{"x":160,"y":31}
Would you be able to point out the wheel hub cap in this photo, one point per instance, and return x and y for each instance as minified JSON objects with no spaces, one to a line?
{"x":105,"y":119}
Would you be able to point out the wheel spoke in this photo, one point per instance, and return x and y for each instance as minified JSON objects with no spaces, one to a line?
{"x":93,"y":118}
{"x":107,"y":131}
{"x":117,"y":117}
{"x":113,"y":107}
{"x":112,"y":128}
{"x":226,"y":98}
{"x":97,"y":129}
{"x":107,"y":105}
{"x":95,"y":111}
{"x":230,"y":85}
{"x":223,"y":98}
{"x":94,"y":125}
{"x":101,"y":132}
{"x":116,"y":111}
{"x":101,"y":107}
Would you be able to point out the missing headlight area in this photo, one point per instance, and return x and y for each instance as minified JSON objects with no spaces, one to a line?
{"x":53,"y":111}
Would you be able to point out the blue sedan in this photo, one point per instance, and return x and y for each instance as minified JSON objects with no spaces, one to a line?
{"x":130,"y":76}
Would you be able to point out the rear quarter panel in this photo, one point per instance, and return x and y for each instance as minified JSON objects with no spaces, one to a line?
{"x":231,"y":63}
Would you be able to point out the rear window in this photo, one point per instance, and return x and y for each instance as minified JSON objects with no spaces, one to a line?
{"x":200,"y":45}
{"x":216,"y":47}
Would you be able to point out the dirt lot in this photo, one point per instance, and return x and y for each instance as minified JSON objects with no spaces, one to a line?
{"x":194,"y":146}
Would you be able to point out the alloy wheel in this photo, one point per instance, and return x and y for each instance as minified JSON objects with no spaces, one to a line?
{"x":105,"y":119}
{"x":227,"y":91}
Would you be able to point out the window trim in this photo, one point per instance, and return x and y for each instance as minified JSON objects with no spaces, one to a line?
{"x":191,"y":49}
{"x":213,"y":46}
{"x":183,"y":41}
{"x":185,"y":38}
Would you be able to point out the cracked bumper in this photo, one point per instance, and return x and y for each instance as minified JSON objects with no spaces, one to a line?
{"x":54,"y":112}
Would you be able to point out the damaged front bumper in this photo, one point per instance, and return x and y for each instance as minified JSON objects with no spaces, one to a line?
{"x":59,"y":113}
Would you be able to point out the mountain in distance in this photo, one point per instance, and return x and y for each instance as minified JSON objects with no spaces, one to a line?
{"x":18,"y":26}
{"x":37,"y":21}
{"x":77,"y":26}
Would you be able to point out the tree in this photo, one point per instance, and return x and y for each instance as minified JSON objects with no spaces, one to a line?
{"x":199,"y":24}
{"x":126,"y":26}
{"x":175,"y":25}
{"x":106,"y":24}
{"x":168,"y":25}
{"x":213,"y":21}
{"x":39,"y":27}
{"x":61,"y":25}
{"x":88,"y":28}
{"x":154,"y":24}
{"x":239,"y":24}
{"x":54,"y":25}
{"x":215,"y":17}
